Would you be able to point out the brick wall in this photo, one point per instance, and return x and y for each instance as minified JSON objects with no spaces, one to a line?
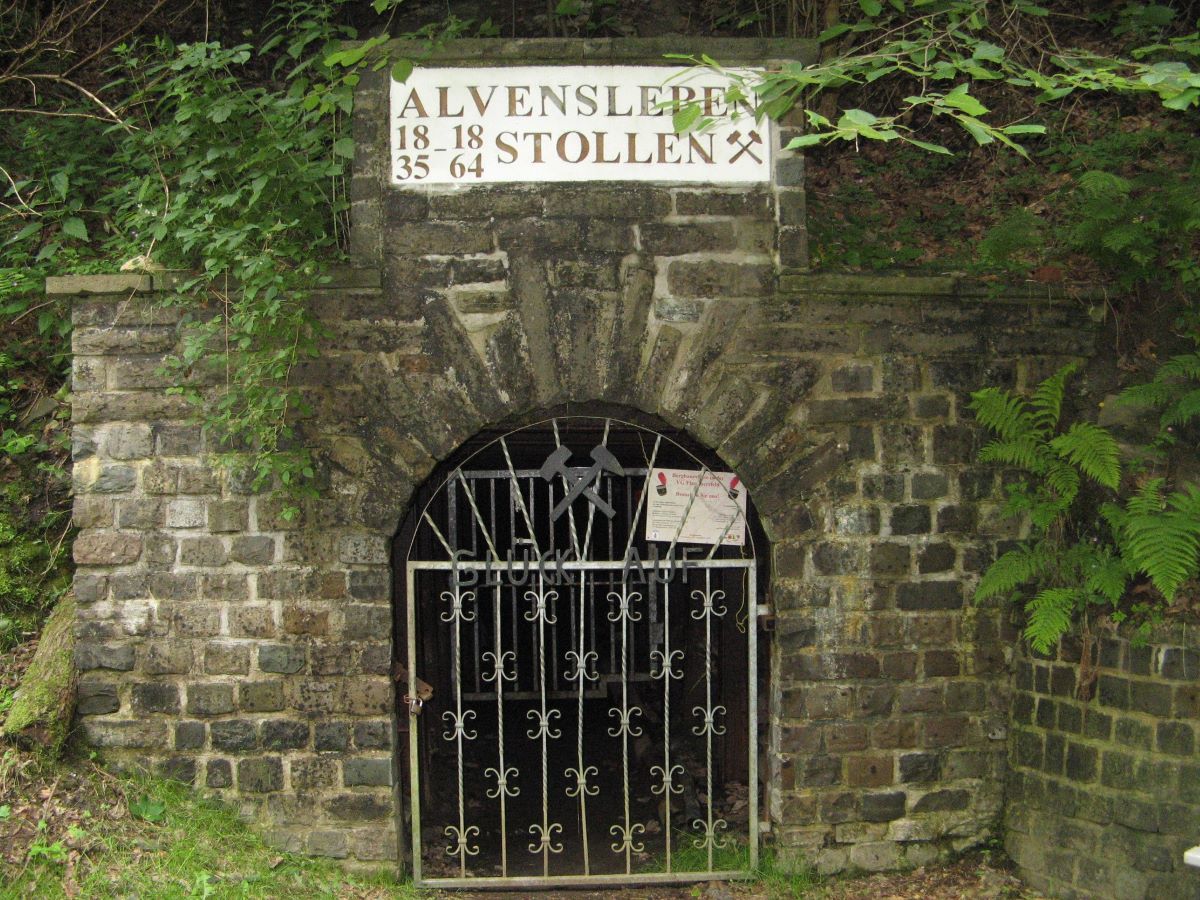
{"x":1104,"y":794}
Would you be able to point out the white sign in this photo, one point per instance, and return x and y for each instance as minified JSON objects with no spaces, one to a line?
{"x":701,"y":508}
{"x":570,"y":123}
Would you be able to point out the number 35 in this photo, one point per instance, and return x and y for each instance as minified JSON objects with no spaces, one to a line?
{"x":415,"y":168}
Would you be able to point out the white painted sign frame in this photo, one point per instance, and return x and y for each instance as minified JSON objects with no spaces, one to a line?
{"x":539,"y":124}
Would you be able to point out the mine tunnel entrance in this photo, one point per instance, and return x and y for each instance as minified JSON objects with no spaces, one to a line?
{"x":577,"y":660}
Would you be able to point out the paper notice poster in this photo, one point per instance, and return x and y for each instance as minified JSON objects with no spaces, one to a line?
{"x":713,"y":502}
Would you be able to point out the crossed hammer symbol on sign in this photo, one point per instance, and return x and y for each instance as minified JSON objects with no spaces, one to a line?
{"x":745,"y":146}
{"x":580,"y":483}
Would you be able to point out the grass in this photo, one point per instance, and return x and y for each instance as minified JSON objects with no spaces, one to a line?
{"x":73,"y":830}
{"x":776,"y":877}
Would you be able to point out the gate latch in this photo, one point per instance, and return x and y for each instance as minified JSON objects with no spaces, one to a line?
{"x":424,"y":690}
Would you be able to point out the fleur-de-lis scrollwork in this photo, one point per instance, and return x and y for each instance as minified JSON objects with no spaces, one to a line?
{"x":500,"y":665}
{"x":709,"y":836}
{"x":626,"y":835}
{"x":543,"y":727}
{"x":709,"y":725}
{"x":462,"y":841}
{"x":458,"y":725}
{"x":708,"y":604}
{"x":624,"y":726}
{"x":622,"y":604}
{"x":458,"y":601}
{"x":666,"y":664}
{"x":582,"y":668}
{"x":666,"y":780}
{"x":582,"y":785}
{"x":545,"y":838}
{"x":541,"y":609}
{"x":502,"y":781}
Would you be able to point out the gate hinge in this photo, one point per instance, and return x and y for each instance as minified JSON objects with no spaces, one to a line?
{"x":766,"y":617}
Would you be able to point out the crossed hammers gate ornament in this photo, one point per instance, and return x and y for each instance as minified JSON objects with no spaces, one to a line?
{"x":579,"y":481}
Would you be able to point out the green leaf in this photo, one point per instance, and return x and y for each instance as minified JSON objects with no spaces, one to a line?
{"x":148,"y":809}
{"x":870,"y":7}
{"x":61,"y":181}
{"x":344,"y":147}
{"x":74,"y":227}
{"x":959,"y":98}
{"x":1024,"y":129}
{"x":976,"y":129}
{"x":932,"y":148}
{"x":987,"y":50}
{"x":401,"y":69}
{"x":832,"y":31}
{"x":685,"y":117}
{"x":805,"y":140}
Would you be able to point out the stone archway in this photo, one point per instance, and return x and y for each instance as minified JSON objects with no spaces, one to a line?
{"x":494,"y":501}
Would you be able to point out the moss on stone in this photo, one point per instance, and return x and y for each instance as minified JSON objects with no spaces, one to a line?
{"x":40,"y":716}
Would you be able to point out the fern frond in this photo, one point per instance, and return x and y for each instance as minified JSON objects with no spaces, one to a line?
{"x":1093,"y":450}
{"x":1182,"y":410}
{"x":1166,"y":545}
{"x":1104,"y":185}
{"x":1012,"y":569}
{"x":1002,"y":412}
{"x":1152,"y":393}
{"x":1047,"y":398}
{"x":1024,"y":452}
{"x":1186,"y":366}
{"x":1148,"y":499}
{"x":1107,"y":576}
{"x":1064,"y":481}
{"x":1049,"y":616}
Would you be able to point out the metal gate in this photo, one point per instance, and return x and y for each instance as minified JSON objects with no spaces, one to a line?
{"x":581,"y":701}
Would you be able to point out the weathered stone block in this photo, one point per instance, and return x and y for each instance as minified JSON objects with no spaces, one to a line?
{"x":96,"y":698}
{"x":107,"y":548}
{"x":929,"y":595}
{"x":284,"y":734}
{"x":287,"y":659}
{"x":260,"y":776}
{"x":202,"y":551}
{"x":233,"y":735}
{"x":218,"y":774}
{"x":710,"y":278}
{"x":225,"y":658}
{"x":209,"y":699}
{"x":367,"y":772}
{"x":914,"y":519}
{"x":155,"y":698}
{"x":253,"y":550}
{"x":118,"y":657}
{"x":185,"y":514}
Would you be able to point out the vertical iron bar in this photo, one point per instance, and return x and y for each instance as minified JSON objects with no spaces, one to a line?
{"x":456,"y":644}
{"x":709,"y":712}
{"x":503,"y":776}
{"x":752,"y":703}
{"x":414,"y":727}
{"x":666,"y":652}
{"x":545,"y":729}
{"x":582,"y":771}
